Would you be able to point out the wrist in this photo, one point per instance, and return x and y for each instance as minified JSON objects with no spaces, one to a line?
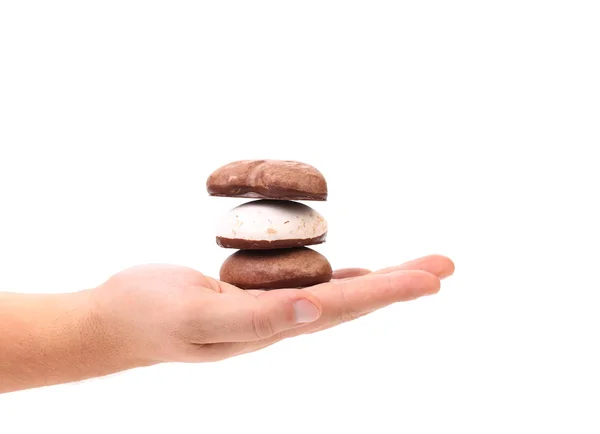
{"x":94,"y":347}
{"x":104,"y":336}
{"x":111,"y":327}
{"x":56,"y":338}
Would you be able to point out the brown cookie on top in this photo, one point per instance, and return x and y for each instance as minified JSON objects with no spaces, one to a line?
{"x":268,"y":179}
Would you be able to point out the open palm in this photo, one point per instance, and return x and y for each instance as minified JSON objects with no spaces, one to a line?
{"x":171,"y":313}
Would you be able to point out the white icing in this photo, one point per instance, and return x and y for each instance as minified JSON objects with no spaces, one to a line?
{"x":271,"y":220}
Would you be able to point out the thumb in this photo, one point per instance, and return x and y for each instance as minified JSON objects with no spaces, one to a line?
{"x":245,"y":317}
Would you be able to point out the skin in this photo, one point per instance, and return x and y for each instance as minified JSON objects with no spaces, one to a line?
{"x":155,"y":314}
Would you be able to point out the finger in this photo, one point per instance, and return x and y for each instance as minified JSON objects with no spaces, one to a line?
{"x":365,"y":286}
{"x":439,"y":265}
{"x":374,"y":291}
{"x":241,"y":318}
{"x":347,"y":273}
{"x":344,"y":301}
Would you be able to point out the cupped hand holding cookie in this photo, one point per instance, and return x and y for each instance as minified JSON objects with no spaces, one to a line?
{"x":175,"y":314}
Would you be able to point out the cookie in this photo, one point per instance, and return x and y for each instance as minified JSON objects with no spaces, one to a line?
{"x":268,"y":179}
{"x":271,"y":224}
{"x":275,"y":269}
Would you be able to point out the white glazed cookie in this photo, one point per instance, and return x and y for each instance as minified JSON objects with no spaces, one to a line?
{"x":271,"y":224}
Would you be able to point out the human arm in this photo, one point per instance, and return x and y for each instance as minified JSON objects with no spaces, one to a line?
{"x":155,"y":314}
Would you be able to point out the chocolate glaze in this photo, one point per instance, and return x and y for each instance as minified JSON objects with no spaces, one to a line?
{"x":238,"y":243}
{"x":268,"y":179}
{"x":263,"y":193}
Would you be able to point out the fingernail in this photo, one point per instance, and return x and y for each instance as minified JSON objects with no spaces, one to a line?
{"x":305,"y":311}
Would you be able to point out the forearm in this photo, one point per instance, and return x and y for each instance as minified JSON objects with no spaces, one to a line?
{"x":52,"y":339}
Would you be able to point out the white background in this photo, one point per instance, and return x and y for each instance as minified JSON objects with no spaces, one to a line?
{"x":464,"y":128}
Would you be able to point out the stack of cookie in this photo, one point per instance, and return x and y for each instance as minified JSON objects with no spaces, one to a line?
{"x":272,"y":231}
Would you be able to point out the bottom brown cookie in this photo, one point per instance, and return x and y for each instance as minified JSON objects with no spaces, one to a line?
{"x":275,"y":269}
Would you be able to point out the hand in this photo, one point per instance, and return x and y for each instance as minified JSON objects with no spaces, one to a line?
{"x":169,"y":313}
